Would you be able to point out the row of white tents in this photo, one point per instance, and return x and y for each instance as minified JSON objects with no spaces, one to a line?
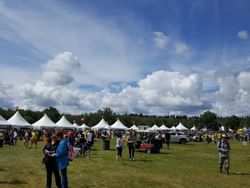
{"x":18,"y":121}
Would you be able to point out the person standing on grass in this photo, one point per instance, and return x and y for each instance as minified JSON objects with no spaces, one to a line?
{"x":14,"y":137}
{"x":119,"y":145}
{"x":167,"y":139}
{"x":50,"y":162}
{"x":131,"y":145}
{"x":29,"y":138}
{"x":62,"y":158}
{"x":224,"y":148}
{"x":1,"y":138}
{"x":26,"y":139}
{"x":33,"y":139}
{"x":90,"y":140}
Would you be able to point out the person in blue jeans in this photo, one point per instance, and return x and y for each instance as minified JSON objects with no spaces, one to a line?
{"x":131,"y":145}
{"x":62,"y":158}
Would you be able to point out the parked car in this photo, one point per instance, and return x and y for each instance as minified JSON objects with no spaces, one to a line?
{"x":178,"y":137}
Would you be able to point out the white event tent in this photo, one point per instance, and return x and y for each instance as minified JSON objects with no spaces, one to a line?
{"x":193,"y":128}
{"x":222,"y":128}
{"x":3,"y":122}
{"x":118,"y":125}
{"x":164,"y":128}
{"x":172,"y":128}
{"x":154,"y":128}
{"x":44,"y":122}
{"x":64,"y":123}
{"x":101,"y":125}
{"x":134,"y":128}
{"x":18,"y":121}
{"x":181,"y":127}
{"x":84,"y":126}
{"x":76,"y":126}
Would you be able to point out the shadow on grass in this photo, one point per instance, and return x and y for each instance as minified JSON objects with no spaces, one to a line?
{"x":160,"y":153}
{"x":137,"y":160}
{"x":13,"y":182}
{"x":164,"y":153}
{"x":143,"y":160}
{"x":1,"y":169}
{"x":189,"y":144}
{"x":94,"y":156}
{"x":111,"y":149}
{"x":240,"y":173}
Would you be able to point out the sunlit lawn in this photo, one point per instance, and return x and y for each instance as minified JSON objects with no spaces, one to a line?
{"x":193,"y":165}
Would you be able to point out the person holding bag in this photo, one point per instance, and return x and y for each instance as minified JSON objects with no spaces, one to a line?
{"x":50,"y":162}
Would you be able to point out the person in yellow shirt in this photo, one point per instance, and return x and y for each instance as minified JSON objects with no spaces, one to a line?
{"x":33,"y":139}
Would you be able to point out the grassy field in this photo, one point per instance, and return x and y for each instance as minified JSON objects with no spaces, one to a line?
{"x":193,"y":165}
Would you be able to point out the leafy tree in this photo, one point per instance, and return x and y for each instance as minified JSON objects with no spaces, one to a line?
{"x":232,"y":122}
{"x":53,"y":113}
{"x":108,"y":115}
{"x":209,"y":119}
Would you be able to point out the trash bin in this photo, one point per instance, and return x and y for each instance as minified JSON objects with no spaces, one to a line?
{"x":106,"y":144}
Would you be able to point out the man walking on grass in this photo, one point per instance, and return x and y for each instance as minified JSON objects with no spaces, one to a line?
{"x":224,"y":160}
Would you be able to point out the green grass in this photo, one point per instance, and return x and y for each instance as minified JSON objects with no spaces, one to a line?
{"x":193,"y":165}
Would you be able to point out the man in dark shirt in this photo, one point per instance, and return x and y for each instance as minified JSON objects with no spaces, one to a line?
{"x":167,"y":138}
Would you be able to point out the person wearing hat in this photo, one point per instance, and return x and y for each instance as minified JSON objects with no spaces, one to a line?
{"x":224,"y":151}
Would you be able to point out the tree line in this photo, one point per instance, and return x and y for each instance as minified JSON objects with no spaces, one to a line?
{"x":208,"y":119}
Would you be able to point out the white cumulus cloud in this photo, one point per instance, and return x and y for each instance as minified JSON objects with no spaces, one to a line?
{"x":6,"y":94}
{"x":181,"y":47}
{"x":229,"y":88}
{"x":161,"y":92}
{"x":57,"y":71}
{"x":244,"y":80}
{"x":233,"y":96}
{"x":161,"y":40}
{"x":243,"y":35}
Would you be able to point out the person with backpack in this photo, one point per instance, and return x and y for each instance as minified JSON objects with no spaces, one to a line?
{"x":224,"y":151}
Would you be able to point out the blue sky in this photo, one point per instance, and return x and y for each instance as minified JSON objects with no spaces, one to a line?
{"x":150,"y":56}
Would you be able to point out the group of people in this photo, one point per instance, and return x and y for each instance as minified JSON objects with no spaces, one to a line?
{"x":56,"y":151}
{"x":134,"y":140}
{"x":57,"y":147}
{"x":59,"y":144}
{"x":30,"y":137}
{"x":9,"y":136}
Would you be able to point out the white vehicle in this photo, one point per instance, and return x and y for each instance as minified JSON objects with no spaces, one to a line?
{"x":178,"y":137}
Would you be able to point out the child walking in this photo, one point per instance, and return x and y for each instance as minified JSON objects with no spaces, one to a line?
{"x":119,"y":145}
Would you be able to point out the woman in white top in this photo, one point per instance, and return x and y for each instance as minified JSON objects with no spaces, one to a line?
{"x":119,"y":145}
